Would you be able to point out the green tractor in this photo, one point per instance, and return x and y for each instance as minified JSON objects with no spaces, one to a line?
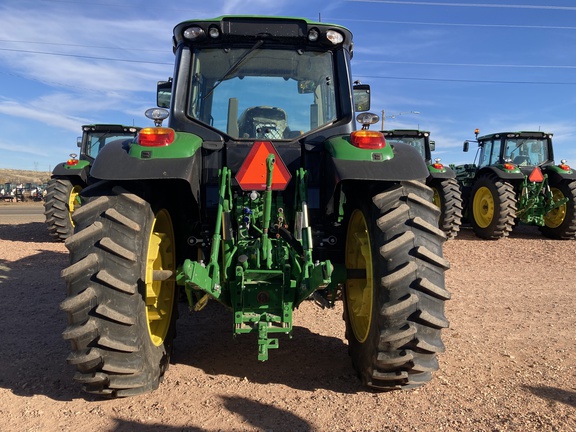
{"x":441,"y":178}
{"x":70,"y":177}
{"x":517,"y":181}
{"x":259,"y":194}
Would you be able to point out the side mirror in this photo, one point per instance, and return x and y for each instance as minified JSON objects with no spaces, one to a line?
{"x":432,"y":145}
{"x":79,"y":141}
{"x":361,"y":96}
{"x":164,"y":93}
{"x":466,"y":146}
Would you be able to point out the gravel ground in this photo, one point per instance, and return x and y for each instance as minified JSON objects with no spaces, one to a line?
{"x":509,"y":365}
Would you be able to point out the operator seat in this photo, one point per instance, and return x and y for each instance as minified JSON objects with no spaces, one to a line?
{"x":522,"y":160}
{"x":263,"y":122}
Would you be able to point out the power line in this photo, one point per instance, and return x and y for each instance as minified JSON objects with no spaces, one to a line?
{"x":85,"y":57}
{"x":77,"y":45}
{"x":454,"y":24}
{"x":533,"y":66}
{"x":479,"y":5}
{"x":466,"y":80}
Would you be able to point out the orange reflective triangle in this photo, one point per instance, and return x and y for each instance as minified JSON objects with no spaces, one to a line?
{"x":536,"y":176}
{"x":252,"y":173}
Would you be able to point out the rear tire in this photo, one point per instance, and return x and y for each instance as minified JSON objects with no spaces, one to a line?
{"x":394,"y":294}
{"x":448,"y":198}
{"x":492,"y":207}
{"x":560,"y":223}
{"x":62,"y":199}
{"x":121,"y":302}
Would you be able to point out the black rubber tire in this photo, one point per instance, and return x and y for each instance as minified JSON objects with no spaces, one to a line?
{"x":57,"y":207}
{"x":399,"y":346}
{"x":450,"y":203}
{"x":112,"y":346}
{"x":566,"y":230}
{"x":499,"y":221}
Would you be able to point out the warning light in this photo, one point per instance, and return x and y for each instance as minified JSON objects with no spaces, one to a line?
{"x":155,"y":137}
{"x":536,"y":176}
{"x":73,"y":160}
{"x":563,"y":165}
{"x":367,"y":139}
{"x":252,"y":173}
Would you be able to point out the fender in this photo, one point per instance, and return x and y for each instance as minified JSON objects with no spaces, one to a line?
{"x":406,"y":164}
{"x":447,"y":173}
{"x":114,"y":163}
{"x":502,"y":173}
{"x":557,"y":175}
{"x":79,"y":172}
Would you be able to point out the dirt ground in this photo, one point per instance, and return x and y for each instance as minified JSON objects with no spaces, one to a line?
{"x":509,"y":365}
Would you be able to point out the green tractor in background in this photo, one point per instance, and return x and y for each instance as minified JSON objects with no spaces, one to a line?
{"x":516,"y":180}
{"x":441,"y":178}
{"x":70,"y":177}
{"x":258,"y":194}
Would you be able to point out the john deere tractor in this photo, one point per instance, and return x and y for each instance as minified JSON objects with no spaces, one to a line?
{"x":517,"y":181}
{"x":260,"y":194}
{"x":70,"y":177}
{"x":441,"y":178}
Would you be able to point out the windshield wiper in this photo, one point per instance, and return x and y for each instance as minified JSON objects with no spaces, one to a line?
{"x":235,"y":66}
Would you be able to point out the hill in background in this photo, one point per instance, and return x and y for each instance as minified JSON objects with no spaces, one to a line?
{"x":14,"y":176}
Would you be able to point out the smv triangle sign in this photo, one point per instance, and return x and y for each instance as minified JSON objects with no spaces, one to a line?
{"x":252,"y":173}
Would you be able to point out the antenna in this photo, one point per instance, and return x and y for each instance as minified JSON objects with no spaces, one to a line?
{"x":319,"y":17}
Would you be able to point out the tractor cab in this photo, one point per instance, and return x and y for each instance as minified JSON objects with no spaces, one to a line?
{"x":521,"y":149}
{"x":418,"y":139}
{"x":95,"y":137}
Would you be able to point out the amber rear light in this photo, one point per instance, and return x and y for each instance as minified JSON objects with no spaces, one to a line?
{"x":156,"y":137}
{"x":367,"y":139}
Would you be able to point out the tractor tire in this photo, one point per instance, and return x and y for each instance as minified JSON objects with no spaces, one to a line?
{"x":121,"y":301}
{"x":62,"y":199}
{"x":394,"y":294}
{"x":448,"y":198}
{"x":560,"y":223}
{"x":492,"y":207}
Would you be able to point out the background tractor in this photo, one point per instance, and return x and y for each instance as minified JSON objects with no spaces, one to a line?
{"x":516,"y":180}
{"x":441,"y":178}
{"x":70,"y":177}
{"x":259,"y":194}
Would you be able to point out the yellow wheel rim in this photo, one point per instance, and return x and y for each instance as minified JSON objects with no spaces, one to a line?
{"x":160,"y":285}
{"x":74,"y":201}
{"x":555,"y":217}
{"x":436,"y":198}
{"x":359,"y":284}
{"x":483,"y":207}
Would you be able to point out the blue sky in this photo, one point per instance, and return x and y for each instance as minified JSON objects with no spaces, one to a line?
{"x":461,"y":64}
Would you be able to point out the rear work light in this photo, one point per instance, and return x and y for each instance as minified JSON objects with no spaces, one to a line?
{"x":563,"y":165}
{"x":156,"y":137}
{"x":367,"y":139}
{"x":334,"y":37}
